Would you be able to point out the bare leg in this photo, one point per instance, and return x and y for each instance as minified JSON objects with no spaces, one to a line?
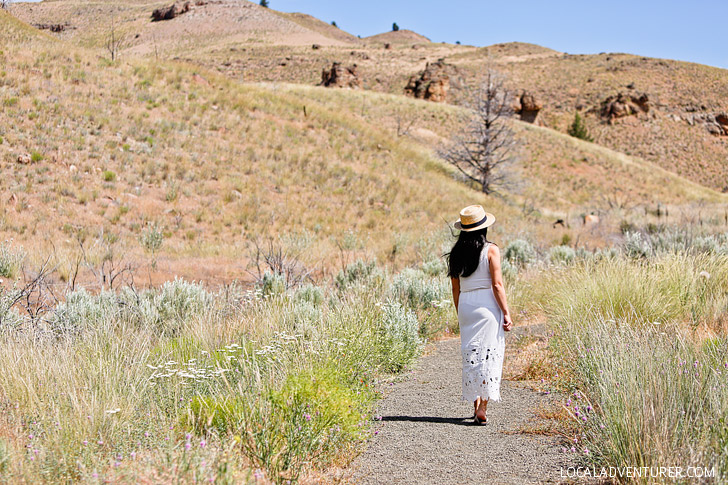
{"x":477,"y":405}
{"x":481,"y":407}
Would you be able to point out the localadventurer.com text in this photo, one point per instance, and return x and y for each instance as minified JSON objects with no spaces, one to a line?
{"x":674,"y":472}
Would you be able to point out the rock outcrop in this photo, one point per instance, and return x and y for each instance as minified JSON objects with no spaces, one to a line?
{"x":716,"y":124}
{"x":432,"y":84}
{"x":623,"y":105}
{"x":341,"y":77}
{"x":527,"y":107}
{"x":55,"y":28}
{"x":168,"y":13}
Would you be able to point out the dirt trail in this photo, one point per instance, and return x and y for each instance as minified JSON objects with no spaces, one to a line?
{"x":427,"y":433}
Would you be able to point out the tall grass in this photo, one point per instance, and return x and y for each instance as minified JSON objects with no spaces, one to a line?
{"x":643,"y":344}
{"x":182,"y":383}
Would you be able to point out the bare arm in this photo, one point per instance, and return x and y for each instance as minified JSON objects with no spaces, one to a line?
{"x":455,"y":292}
{"x":499,"y":289}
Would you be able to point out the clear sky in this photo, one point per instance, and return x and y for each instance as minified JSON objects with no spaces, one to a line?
{"x":688,"y":30}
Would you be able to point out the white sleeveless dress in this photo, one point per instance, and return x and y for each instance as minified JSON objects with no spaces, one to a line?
{"x":482,"y":338}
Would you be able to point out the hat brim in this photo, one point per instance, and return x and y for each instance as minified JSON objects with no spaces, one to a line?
{"x":489,"y":220}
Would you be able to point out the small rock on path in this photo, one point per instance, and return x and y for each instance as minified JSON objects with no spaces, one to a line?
{"x":427,"y":434}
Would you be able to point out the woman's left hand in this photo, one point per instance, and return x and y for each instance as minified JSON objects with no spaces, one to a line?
{"x":507,"y":323}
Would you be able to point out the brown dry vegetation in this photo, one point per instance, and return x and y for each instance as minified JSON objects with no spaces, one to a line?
{"x":250,"y":43}
{"x":216,"y":164}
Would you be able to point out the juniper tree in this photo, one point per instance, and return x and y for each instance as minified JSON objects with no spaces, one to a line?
{"x":264,"y":3}
{"x":578,"y":129}
{"x":484,"y":152}
{"x":395,"y":27}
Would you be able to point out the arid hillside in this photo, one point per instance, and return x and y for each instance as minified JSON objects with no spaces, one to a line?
{"x":112,"y":156}
{"x":674,"y":114}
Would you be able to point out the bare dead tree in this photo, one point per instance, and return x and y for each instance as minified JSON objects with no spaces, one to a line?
{"x":485,"y":151}
{"x":115,"y":40}
{"x":274,"y":258}
{"x":112,"y":271}
{"x":404,"y":123}
{"x":36,"y":297}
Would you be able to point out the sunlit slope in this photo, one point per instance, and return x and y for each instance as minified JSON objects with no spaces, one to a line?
{"x":558,"y":172}
{"x":214,"y":163}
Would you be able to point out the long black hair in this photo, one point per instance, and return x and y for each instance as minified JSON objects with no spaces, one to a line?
{"x":464,"y":257}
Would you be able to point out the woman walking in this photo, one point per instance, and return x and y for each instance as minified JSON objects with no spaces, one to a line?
{"x":480,"y":301}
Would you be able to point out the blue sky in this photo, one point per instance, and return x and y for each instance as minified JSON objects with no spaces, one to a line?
{"x":686,"y":30}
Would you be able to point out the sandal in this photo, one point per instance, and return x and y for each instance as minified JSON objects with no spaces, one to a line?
{"x":481,"y":421}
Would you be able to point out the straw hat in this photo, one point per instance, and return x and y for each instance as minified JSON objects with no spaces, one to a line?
{"x":474,"y":218}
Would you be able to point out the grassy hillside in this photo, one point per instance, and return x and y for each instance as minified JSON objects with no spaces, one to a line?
{"x":213,"y":164}
{"x":138,"y":148}
{"x":253,"y":44}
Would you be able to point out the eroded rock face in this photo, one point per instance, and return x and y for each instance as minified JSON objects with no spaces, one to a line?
{"x":527,"y":106}
{"x":431,"y":84}
{"x":168,"y":13}
{"x":716,"y":124}
{"x":623,"y":105}
{"x":341,"y":77}
{"x":721,"y":119}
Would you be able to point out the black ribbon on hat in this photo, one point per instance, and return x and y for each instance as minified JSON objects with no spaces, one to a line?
{"x":468,"y":226}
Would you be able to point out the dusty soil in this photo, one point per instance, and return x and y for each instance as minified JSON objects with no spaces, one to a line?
{"x":427,"y":434}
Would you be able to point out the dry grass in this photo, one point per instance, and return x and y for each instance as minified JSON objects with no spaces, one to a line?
{"x":216,"y":164}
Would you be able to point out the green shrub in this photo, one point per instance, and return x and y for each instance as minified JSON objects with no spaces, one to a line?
{"x":434,"y":267}
{"x":10,"y":260}
{"x":180,"y":300}
{"x":398,"y":337}
{"x":82,"y":310}
{"x":578,"y":129}
{"x":222,"y":414}
{"x":415,"y":289}
{"x":310,"y":293}
{"x":35,"y":156}
{"x":520,"y":252}
{"x":562,"y":255}
{"x":283,"y":430}
{"x":152,"y":238}
{"x":635,"y":246}
{"x":359,"y":272}
{"x":272,"y":284}
{"x":109,"y":176}
{"x":509,"y":271}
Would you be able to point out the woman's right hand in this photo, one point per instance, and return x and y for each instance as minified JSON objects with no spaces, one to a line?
{"x":507,"y":322}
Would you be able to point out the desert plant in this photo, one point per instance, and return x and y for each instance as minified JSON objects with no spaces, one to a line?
{"x":358,"y":272}
{"x":264,"y":3}
{"x":635,"y":246}
{"x":578,"y":129}
{"x":562,"y":255}
{"x":272,"y":284}
{"x":10,"y":260}
{"x":151,"y":240}
{"x":36,"y":156}
{"x":520,"y":252}
{"x":395,"y":27}
{"x":484,"y":151}
{"x":415,"y":289}
{"x":398,"y":337}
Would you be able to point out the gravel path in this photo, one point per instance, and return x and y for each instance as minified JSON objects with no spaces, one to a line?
{"x":427,"y":434}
